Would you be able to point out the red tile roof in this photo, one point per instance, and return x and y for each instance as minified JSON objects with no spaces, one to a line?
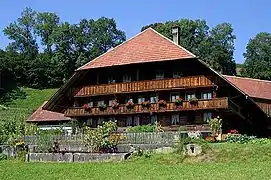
{"x":147,"y":46}
{"x":252,"y":87}
{"x":44,"y":115}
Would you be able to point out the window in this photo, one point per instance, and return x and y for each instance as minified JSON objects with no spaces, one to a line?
{"x":174,"y":96}
{"x":177,"y":74}
{"x":90,"y":122}
{"x":159,"y":74}
{"x":154,"y":99}
{"x":111,"y":79}
{"x":100,"y":120}
{"x":100,"y":103}
{"x":190,"y":95}
{"x":111,"y":102}
{"x":153,"y":119}
{"x":207,"y":116}
{"x":206,"y":95}
{"x":126,"y":78}
{"x":136,"y":120}
{"x":90,"y":104}
{"x":140,"y":100}
{"x":129,"y":121}
{"x":175,"y":119}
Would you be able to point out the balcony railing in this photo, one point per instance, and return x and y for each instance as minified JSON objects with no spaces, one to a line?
{"x":142,"y":86}
{"x":217,"y":103}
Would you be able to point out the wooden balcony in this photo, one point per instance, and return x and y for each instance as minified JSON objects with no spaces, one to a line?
{"x":143,"y":86}
{"x":217,"y":103}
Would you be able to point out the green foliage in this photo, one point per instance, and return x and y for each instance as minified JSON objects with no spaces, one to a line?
{"x":215,"y":124}
{"x":142,"y":128}
{"x":98,"y":140}
{"x":182,"y":128}
{"x":257,"y":57}
{"x":65,"y":47}
{"x":44,"y":143}
{"x":214,"y":46}
{"x":3,"y":157}
{"x":242,"y":139}
{"x":139,"y":153}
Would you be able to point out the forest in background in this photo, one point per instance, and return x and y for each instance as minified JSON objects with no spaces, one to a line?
{"x":44,"y":51}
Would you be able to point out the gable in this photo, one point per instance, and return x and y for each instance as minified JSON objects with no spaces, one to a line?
{"x":147,"y":46}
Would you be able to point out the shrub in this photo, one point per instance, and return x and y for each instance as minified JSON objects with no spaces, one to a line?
{"x":99,"y":140}
{"x":193,"y":101}
{"x":260,"y":141}
{"x":215,"y":124}
{"x":142,"y":128}
{"x":242,"y":139}
{"x":3,"y":157}
{"x":179,"y":102}
{"x":182,"y":128}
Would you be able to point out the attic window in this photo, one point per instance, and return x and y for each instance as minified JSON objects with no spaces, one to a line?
{"x":127,"y":78}
{"x":160,"y":74}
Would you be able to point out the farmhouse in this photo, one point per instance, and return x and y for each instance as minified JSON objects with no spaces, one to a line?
{"x":150,"y":78}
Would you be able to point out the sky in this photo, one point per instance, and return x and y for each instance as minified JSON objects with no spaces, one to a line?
{"x":248,"y":17}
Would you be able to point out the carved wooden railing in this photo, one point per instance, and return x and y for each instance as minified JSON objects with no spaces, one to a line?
{"x":217,"y":103}
{"x":150,"y":85}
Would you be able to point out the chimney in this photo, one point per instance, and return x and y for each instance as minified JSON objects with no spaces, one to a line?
{"x":175,"y":33}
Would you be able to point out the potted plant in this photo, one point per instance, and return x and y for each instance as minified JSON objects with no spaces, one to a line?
{"x":146,"y":104}
{"x":193,"y":101}
{"x":86,"y":107}
{"x":130,"y":104}
{"x":179,"y":102}
{"x":102,"y":107}
{"x":115,"y":104}
{"x":162,"y":103}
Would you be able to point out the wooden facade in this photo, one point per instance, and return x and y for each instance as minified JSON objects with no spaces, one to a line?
{"x":147,"y":85}
{"x":216,"y":103}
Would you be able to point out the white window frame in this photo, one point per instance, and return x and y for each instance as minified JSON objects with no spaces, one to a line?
{"x":154,"y":98}
{"x":174,"y":96}
{"x":140,"y":100}
{"x":189,"y":95}
{"x":110,"y":102}
{"x":175,"y":119}
{"x":207,"y":116}
{"x":177,"y":74}
{"x":100,"y":103}
{"x":159,"y":74}
{"x":111,"y":79}
{"x":126,"y":78}
{"x":207,"y":95}
{"x":90,"y":104}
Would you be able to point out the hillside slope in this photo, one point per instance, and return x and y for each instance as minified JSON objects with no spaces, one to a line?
{"x":22,"y":107}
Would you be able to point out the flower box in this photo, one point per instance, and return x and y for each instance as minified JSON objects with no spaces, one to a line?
{"x":179,"y":102}
{"x":87,"y":107}
{"x":162,"y":103}
{"x":146,"y":104}
{"x":102,"y":107}
{"x":130,"y":105}
{"x":193,"y":101}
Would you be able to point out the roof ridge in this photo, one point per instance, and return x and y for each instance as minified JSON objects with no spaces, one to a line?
{"x":112,"y":49}
{"x":248,"y":78}
{"x":172,"y":42}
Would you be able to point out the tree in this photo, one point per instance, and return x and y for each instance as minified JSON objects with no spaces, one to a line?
{"x":258,"y":57}
{"x":22,"y":34}
{"x":214,"y":46}
{"x":46,"y":23}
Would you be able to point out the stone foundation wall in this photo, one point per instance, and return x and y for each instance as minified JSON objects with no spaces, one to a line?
{"x":74,"y":157}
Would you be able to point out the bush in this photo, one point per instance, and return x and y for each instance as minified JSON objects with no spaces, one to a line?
{"x":143,"y":128}
{"x":182,"y":128}
{"x":242,"y":139}
{"x":260,"y":141}
{"x":3,"y":157}
{"x":216,"y":125}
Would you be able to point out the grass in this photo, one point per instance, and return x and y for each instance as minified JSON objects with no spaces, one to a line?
{"x":22,"y":107}
{"x":225,"y":161}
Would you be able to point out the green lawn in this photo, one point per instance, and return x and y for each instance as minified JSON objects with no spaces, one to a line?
{"x":225,"y":161}
{"x":21,"y":108}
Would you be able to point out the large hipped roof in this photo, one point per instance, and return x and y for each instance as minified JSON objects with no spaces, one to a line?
{"x":147,"y":46}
